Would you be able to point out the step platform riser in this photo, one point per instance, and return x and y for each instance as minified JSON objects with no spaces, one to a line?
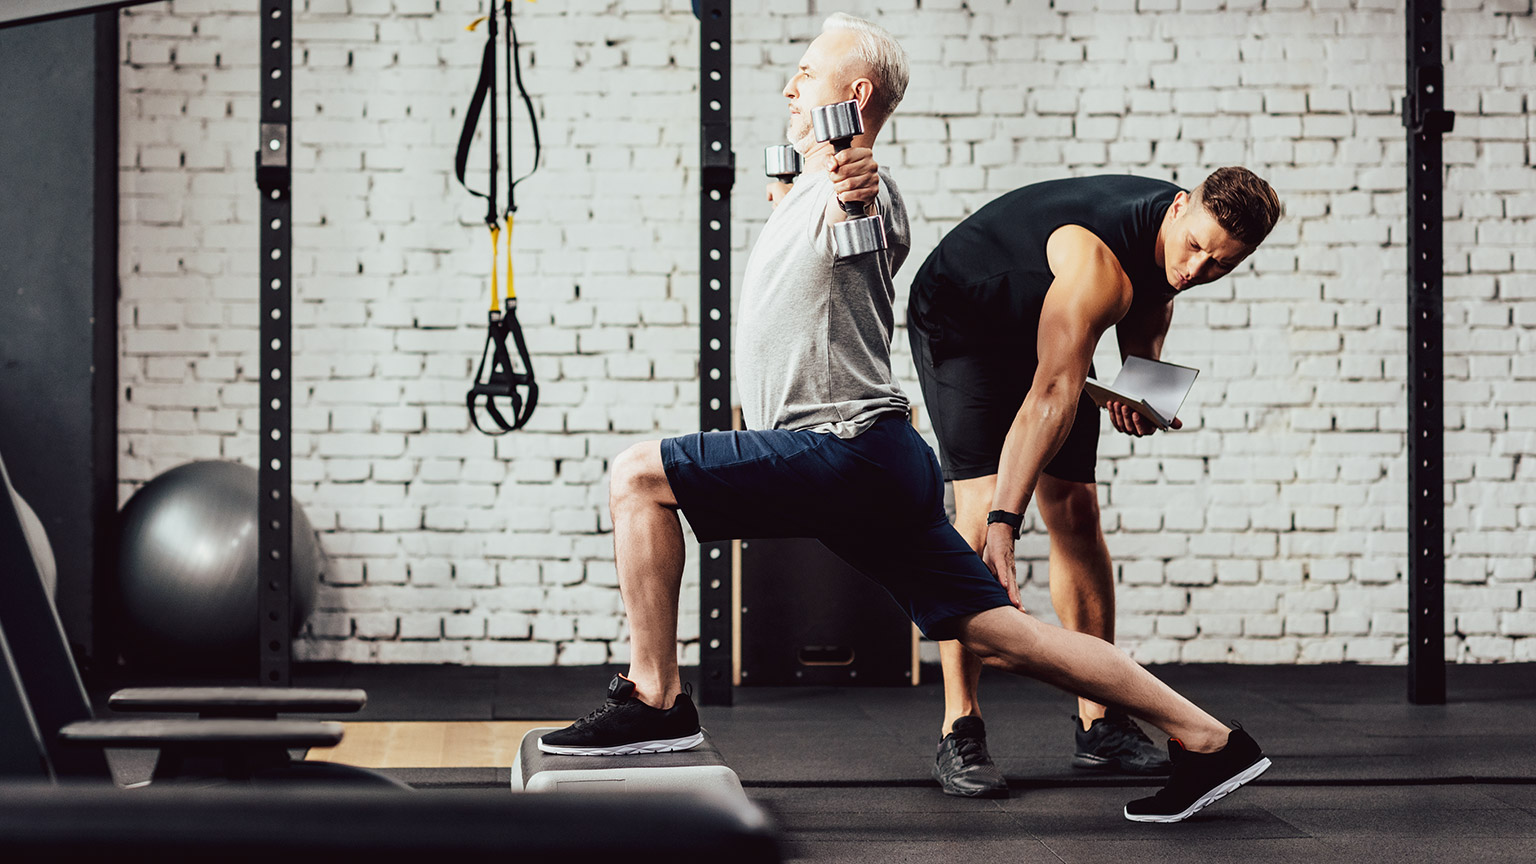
{"x":701,"y":769}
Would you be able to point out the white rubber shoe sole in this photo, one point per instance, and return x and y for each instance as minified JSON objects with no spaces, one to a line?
{"x":663,"y":745}
{"x":1209,"y":798}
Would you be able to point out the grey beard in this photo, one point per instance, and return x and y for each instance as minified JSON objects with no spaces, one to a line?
{"x":804,"y":141}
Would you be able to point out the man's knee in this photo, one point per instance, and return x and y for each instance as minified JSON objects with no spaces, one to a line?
{"x":638,"y":475}
{"x":1003,"y":638}
{"x":1070,"y":508}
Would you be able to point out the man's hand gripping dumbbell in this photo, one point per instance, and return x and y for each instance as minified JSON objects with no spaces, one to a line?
{"x":855,"y":183}
{"x":783,"y":163}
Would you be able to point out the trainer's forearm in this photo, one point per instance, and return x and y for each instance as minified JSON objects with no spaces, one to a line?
{"x":1147,"y":350}
{"x":1142,"y":335}
{"x":1038,"y":431}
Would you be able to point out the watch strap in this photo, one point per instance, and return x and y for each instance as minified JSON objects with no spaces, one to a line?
{"x":1012,"y":520}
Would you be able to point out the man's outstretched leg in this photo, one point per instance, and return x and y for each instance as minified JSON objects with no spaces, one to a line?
{"x":1209,"y":760}
{"x":646,"y":711}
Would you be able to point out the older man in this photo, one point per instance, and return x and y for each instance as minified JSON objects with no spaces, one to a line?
{"x":830,"y":455}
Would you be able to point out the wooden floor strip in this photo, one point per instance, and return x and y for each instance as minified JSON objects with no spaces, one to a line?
{"x":467,"y":744}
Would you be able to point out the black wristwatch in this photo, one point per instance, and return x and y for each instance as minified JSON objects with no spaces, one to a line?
{"x":1012,"y":520}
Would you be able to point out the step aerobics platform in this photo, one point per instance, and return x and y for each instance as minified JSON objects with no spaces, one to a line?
{"x":701,"y":768}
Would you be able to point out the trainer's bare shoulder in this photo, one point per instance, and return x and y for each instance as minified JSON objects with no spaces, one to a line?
{"x":1088,"y":276}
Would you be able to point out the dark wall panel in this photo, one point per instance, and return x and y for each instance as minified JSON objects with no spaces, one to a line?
{"x":58,"y":285}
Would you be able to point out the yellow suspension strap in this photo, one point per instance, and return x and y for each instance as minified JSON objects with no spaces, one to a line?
{"x":498,"y":376}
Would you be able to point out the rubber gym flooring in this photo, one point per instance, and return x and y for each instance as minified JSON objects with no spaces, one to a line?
{"x":1359,"y":775}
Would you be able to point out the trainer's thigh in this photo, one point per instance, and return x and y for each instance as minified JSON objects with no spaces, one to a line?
{"x":1069,"y":508}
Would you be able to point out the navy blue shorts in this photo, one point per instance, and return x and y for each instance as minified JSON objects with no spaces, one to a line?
{"x":876,"y":501}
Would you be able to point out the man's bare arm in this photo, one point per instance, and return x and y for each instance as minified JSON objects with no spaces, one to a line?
{"x":1090,"y":294}
{"x":1142,"y":331}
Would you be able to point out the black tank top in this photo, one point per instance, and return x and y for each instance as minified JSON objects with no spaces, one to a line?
{"x":982,"y":287}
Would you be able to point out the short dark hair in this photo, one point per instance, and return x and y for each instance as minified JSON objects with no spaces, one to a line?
{"x":1240,"y":202}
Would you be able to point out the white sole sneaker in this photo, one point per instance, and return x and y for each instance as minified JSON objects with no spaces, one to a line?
{"x":663,"y":745}
{"x":1209,"y":798}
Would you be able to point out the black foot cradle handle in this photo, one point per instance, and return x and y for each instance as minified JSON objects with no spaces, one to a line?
{"x":501,"y":380}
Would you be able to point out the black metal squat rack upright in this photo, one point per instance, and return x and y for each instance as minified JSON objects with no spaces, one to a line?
{"x":717,"y":174}
{"x":275,"y":483}
{"x":1426,"y":119}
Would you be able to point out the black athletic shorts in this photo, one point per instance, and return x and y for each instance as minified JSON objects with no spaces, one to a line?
{"x":972,"y":399}
{"x":875,"y":500}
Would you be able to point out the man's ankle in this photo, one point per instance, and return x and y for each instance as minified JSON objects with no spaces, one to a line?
{"x":652,"y":693}
{"x":949,"y":720}
{"x":1206,"y":742}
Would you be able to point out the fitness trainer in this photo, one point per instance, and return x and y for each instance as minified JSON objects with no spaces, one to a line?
{"x":1003,"y":320}
{"x":830,"y":454}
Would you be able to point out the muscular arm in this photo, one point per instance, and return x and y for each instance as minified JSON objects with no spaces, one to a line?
{"x":1090,"y":294}
{"x":1142,"y":331}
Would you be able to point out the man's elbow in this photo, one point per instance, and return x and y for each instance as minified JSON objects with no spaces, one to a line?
{"x":1056,"y":395}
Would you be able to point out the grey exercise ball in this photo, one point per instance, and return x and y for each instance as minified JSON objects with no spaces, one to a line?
{"x":37,"y":541}
{"x":187,"y":567}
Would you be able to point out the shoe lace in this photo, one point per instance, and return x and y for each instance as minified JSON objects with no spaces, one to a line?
{"x":1122,"y":735}
{"x":608,"y":705}
{"x":1182,"y":780}
{"x":611,"y":703}
{"x":970,"y":750}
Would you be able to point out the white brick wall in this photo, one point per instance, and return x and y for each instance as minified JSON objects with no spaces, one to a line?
{"x":1271,"y":530}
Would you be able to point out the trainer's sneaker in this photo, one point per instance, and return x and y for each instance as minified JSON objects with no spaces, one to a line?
{"x":963,"y":766}
{"x":625,"y":726}
{"x":1116,"y":744}
{"x":1200,"y":779}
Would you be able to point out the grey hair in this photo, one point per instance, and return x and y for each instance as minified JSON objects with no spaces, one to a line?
{"x":876,"y":48}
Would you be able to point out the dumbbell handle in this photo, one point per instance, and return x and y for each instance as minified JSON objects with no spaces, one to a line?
{"x":852,"y":208}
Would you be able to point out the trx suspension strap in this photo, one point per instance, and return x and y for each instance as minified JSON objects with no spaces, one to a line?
{"x":498,"y":377}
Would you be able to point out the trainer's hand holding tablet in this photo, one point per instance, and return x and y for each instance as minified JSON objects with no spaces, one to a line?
{"x":1145,"y":396}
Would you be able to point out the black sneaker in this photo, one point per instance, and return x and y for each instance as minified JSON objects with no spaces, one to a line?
{"x":626,"y":726}
{"x":1200,"y":779}
{"x":963,"y":766}
{"x":1116,"y":744}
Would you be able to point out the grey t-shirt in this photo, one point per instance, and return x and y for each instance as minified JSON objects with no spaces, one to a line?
{"x":813,"y":334}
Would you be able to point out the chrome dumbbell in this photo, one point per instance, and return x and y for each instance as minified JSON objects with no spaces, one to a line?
{"x":782,"y":162}
{"x":861,"y":234}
